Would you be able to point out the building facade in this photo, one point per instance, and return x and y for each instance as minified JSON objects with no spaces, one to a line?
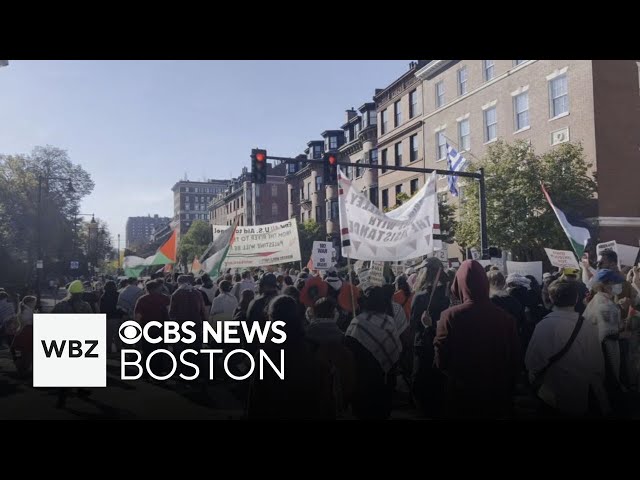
{"x":399,"y":110}
{"x":191,"y":202}
{"x":140,"y":230}
{"x":252,"y":204}
{"x":472,"y":103}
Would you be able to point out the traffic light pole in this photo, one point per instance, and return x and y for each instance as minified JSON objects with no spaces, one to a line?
{"x":484,"y":240}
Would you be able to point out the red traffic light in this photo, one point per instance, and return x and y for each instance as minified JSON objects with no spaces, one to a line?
{"x":332,"y":160}
{"x":260,"y":157}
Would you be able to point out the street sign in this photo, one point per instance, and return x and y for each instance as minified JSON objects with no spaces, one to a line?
{"x":75,"y":265}
{"x":39,"y":264}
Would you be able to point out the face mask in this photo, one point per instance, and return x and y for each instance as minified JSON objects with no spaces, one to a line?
{"x":616,"y":289}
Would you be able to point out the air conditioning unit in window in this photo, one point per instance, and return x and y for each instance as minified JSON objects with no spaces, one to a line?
{"x":560,"y":136}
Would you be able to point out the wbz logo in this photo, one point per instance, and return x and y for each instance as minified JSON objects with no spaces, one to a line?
{"x":69,"y":350}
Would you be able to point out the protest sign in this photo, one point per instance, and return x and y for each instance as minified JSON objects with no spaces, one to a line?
{"x":322,"y":255}
{"x":526,"y":268}
{"x":376,"y":274}
{"x":562,"y":258}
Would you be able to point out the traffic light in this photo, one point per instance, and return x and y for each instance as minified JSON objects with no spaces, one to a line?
{"x":258,"y":166}
{"x":330,"y":168}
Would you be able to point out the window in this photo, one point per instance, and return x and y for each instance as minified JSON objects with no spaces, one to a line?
{"x":373,"y":195}
{"x":521,"y":110}
{"x":309,"y":190}
{"x":413,"y":148}
{"x":462,"y":81}
{"x":489,"y":69}
{"x":490,"y":124}
{"x":302,"y":217}
{"x":398,"y":113}
{"x":302,"y":193}
{"x":439,"y":94}
{"x":359,"y":171}
{"x":398,"y":190}
{"x":356,"y":130}
{"x":365,"y":120}
{"x":384,"y":160}
{"x":318,"y":213}
{"x":274,"y":190}
{"x":317,"y":152}
{"x":333,"y":143}
{"x":414,"y":186}
{"x":182,"y":189}
{"x":518,"y":62}
{"x":383,"y":122}
{"x":385,"y":198}
{"x":335,"y":210}
{"x":373,"y":156}
{"x":318,"y":183}
{"x":398,"y":153}
{"x":373,"y":118}
{"x":413,"y":103}
{"x":558,"y":96}
{"x":274,"y":209}
{"x":463,"y":135}
{"x":441,"y":146}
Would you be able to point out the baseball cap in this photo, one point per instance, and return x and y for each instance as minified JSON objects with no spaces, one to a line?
{"x":608,"y":276}
{"x":76,"y":287}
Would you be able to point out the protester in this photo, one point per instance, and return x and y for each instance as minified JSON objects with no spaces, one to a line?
{"x":22,"y":345}
{"x":8,"y":317}
{"x":430,"y":294}
{"x":257,"y":311}
{"x":403,"y":295}
{"x":574,"y":384}
{"x":187,"y":305}
{"x":477,"y":347}
{"x":246,"y":283}
{"x":128,"y":297}
{"x":109,"y":306}
{"x":91,"y":297}
{"x":375,"y":344}
{"x":240,"y":313}
{"x":327,"y":341}
{"x":152,"y":306}
{"x":224,"y":304}
{"x":335,"y":284}
{"x":501,"y":298}
{"x":305,"y":392}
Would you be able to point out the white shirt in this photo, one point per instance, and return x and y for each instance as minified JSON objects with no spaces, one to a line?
{"x":567,"y":381}
{"x":224,"y":304}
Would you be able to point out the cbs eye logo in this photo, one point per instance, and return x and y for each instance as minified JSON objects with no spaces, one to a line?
{"x":130,"y":332}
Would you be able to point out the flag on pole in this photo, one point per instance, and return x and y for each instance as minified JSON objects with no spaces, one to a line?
{"x":578,"y":236}
{"x":165,"y":255}
{"x":455,"y":162}
{"x":221,"y":246}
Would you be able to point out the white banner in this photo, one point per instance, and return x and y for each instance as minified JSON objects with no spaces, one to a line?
{"x":376,"y":274}
{"x":402,"y":234}
{"x":627,"y":255}
{"x":262,"y":245}
{"x":562,"y":258}
{"x":526,"y":268}
{"x":606,"y":246}
{"x":322,"y":255}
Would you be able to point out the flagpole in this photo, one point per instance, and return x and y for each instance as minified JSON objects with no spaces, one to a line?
{"x":351,"y":285}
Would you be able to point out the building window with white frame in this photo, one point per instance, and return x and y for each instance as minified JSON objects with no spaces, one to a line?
{"x":274,"y":209}
{"x":274,"y":190}
{"x":333,"y":143}
{"x":441,"y":146}
{"x":521,"y":110}
{"x":413,"y":186}
{"x":383,"y":121}
{"x":398,"y":153}
{"x":489,"y":69}
{"x":373,"y":156}
{"x":464,"y":137}
{"x":413,"y":148}
{"x":384,"y":161}
{"x":397,"y":109}
{"x":462,"y":81}
{"x":490,"y":124}
{"x":439,"y":94}
{"x":413,"y":104}
{"x":558,"y":96}
{"x":318,"y":183}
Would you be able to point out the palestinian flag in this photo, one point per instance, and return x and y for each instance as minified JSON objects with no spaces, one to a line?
{"x":220,"y":247}
{"x":165,"y":255}
{"x":578,"y":236}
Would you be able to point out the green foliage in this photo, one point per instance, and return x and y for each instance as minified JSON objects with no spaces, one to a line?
{"x":309,"y":232}
{"x":519,"y":218}
{"x":195,"y":242}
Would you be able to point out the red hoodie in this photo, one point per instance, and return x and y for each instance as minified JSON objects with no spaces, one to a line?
{"x":477,"y":347}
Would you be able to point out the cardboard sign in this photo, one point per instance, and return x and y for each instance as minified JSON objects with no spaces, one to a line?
{"x":322,"y":255}
{"x":526,"y":268}
{"x":562,"y":258}
{"x":497,"y":262}
{"x":363,"y":276}
{"x":612,"y":245}
{"x":627,"y":255}
{"x":376,"y":274}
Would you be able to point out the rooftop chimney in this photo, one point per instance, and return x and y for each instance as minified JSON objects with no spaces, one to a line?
{"x":351,"y":113}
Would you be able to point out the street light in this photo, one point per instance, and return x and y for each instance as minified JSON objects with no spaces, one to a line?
{"x":40,"y":260}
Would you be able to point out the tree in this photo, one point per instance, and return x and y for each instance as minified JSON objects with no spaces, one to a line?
{"x":519,"y":218}
{"x":195,"y":242}
{"x":19,"y":181}
{"x":309,"y":232}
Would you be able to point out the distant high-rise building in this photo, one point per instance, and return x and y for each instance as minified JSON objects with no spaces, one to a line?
{"x":140,"y":230}
{"x":191,"y":202}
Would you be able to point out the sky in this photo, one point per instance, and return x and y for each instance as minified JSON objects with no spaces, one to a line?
{"x":138,"y":127}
